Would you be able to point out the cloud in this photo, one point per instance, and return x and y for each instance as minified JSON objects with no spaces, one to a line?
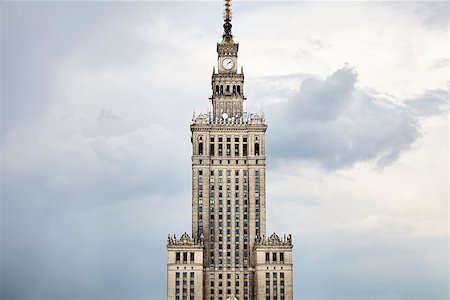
{"x":433,"y":15}
{"x":96,"y":103}
{"x":441,"y":63}
{"x":336,"y":124}
{"x":431,"y":102}
{"x":83,"y":216}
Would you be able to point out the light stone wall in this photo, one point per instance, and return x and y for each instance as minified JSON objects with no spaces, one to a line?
{"x":174,"y":266}
{"x":262,"y":267}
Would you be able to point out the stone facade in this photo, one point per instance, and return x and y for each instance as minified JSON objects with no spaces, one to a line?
{"x":184,"y":268}
{"x":231,"y":257}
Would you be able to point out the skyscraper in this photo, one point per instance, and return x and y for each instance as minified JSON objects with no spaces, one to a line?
{"x":228,"y":255}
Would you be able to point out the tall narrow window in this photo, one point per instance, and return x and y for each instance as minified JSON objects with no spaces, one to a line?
{"x":192,"y":257}
{"x":200,"y":148}
{"x":211,"y":149}
{"x":244,"y":150}
{"x":239,"y":89}
{"x":256,"y":148}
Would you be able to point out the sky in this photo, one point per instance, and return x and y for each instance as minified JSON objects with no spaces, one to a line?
{"x":96,"y":103}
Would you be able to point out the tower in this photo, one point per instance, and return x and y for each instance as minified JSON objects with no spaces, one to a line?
{"x":228,"y":255}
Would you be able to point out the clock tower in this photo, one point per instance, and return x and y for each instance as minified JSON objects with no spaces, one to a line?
{"x":227,"y":83}
{"x":228,"y":255}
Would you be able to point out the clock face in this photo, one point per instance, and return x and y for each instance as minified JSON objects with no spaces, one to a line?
{"x":227,"y":63}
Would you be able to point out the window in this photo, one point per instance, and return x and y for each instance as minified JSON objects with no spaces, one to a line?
{"x":281,"y":257}
{"x":256,"y":148}
{"x":192,"y":257}
{"x":200,"y":148}
{"x":178,"y":258}
{"x":267,"y":258}
{"x":274,"y":256}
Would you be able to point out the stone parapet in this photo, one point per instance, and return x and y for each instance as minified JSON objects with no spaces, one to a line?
{"x":274,"y":240}
{"x":183,"y":241}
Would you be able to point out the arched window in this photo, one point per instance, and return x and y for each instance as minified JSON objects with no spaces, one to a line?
{"x":200,"y":148}
{"x":239,"y":89}
{"x":221,"y":89}
{"x":256,"y":149}
{"x":217,"y":89}
{"x":228,"y":88}
{"x":234,"y":89}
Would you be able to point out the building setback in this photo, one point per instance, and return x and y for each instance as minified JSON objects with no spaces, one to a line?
{"x":229,"y":255}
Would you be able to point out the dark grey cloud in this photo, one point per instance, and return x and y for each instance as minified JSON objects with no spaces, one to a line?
{"x":86,"y":193}
{"x":336,"y":124}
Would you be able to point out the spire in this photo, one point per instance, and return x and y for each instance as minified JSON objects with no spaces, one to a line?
{"x":227,"y":15}
{"x":227,"y":18}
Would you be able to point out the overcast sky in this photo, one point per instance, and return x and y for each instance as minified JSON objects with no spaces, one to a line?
{"x":96,"y":102}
